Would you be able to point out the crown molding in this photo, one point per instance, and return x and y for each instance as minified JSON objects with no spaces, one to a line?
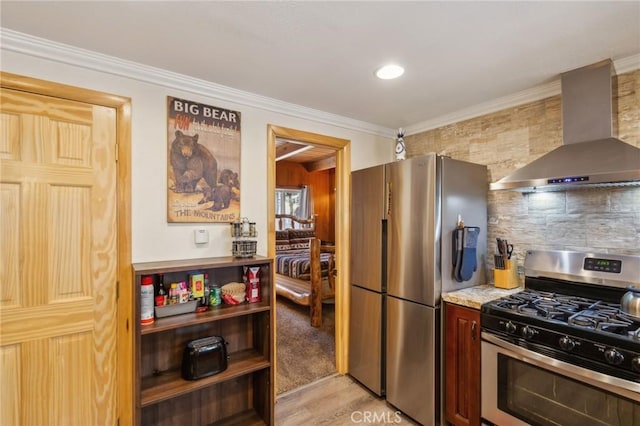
{"x":519,"y":98}
{"x":542,"y":91}
{"x":628,"y":64}
{"x":58,"y":52}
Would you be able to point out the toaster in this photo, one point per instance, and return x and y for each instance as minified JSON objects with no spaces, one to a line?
{"x":204,"y":357}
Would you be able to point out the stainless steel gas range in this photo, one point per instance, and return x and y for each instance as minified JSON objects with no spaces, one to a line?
{"x":562,"y":352}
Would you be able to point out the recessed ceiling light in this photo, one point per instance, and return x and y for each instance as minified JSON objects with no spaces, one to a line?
{"x":389,"y":72}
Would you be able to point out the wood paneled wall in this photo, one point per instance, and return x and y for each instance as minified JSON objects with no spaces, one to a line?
{"x":322,"y":184}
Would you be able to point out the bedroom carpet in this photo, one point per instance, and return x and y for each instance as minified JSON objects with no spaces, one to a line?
{"x":304,"y":353}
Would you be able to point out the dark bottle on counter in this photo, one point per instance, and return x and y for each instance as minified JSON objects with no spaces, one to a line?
{"x":205,"y":299}
{"x":161,"y":296}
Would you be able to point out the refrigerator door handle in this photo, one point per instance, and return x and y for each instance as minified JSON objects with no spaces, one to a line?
{"x":387,"y":199}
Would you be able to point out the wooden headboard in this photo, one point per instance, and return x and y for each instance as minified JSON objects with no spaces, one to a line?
{"x":289,"y":221}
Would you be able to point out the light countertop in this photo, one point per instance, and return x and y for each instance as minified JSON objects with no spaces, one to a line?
{"x":474,"y":297}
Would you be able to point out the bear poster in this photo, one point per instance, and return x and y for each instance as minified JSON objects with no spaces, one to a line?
{"x":203,"y":162}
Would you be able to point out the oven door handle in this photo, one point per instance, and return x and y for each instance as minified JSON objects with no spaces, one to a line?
{"x":604,"y":381}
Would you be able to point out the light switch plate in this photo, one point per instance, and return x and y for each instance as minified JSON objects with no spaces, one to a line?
{"x":201,"y":236}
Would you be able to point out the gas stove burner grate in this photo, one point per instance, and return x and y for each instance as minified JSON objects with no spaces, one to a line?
{"x":576,"y":303}
{"x":527,"y":310}
{"x":557,"y":311}
{"x":629,"y":318}
{"x":596,"y":314}
{"x":614,"y":326}
{"x":510,"y":304}
{"x":547,"y":304}
{"x":586,"y":319}
{"x":575,"y":311}
{"x":532,"y":296}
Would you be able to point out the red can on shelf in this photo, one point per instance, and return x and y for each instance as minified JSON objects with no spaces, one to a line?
{"x":146,"y":299}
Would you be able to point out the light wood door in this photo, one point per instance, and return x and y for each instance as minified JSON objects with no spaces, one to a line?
{"x":58,"y":261}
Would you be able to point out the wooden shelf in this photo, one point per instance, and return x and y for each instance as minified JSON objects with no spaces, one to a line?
{"x":243,"y":394}
{"x":171,"y":384}
{"x":215,"y":313}
{"x":166,"y":267}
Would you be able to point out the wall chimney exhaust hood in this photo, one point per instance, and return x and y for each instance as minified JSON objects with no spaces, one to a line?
{"x":589,"y":156}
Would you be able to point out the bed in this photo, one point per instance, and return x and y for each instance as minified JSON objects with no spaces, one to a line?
{"x":305,"y":268}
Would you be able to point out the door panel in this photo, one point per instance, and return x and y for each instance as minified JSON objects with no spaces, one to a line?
{"x":367,"y":192}
{"x":365,"y":338}
{"x":412,"y":366}
{"x":464,"y":193}
{"x":411,"y":229}
{"x":59,"y":257}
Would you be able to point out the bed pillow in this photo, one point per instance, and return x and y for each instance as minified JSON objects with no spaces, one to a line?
{"x":300,"y":238}
{"x":282,"y":240}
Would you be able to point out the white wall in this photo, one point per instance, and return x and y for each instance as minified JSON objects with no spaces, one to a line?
{"x":153,"y":238}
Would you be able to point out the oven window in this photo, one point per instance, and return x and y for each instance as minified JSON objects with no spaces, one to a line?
{"x":541,"y":397}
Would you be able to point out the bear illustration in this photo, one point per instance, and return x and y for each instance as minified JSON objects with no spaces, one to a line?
{"x":230,"y":178}
{"x":221,"y":196}
{"x":191,"y":162}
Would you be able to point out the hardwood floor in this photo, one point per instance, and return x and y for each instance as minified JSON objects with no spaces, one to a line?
{"x":335,"y":400}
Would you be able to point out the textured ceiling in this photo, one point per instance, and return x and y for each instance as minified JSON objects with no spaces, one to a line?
{"x":322,"y":55}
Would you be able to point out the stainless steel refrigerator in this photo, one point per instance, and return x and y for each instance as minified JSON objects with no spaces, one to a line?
{"x":403,"y":216}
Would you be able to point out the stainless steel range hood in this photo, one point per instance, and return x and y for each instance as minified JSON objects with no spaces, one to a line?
{"x":590,"y":155}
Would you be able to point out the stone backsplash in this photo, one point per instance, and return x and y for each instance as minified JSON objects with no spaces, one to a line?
{"x":599,"y":220}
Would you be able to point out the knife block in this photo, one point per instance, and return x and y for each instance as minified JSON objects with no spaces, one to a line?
{"x":506,"y":278}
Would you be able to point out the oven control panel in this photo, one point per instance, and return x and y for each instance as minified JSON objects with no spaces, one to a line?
{"x":604,"y":269}
{"x":602,"y":265}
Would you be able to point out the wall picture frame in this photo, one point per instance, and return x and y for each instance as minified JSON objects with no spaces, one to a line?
{"x":203,"y":162}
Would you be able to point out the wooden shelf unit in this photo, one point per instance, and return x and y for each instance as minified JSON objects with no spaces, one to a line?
{"x":243,"y":392}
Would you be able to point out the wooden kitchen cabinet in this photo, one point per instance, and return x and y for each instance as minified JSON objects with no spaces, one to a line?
{"x":462,"y":365}
{"x":241,"y":394}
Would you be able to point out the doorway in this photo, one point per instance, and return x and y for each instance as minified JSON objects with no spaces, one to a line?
{"x":342,"y":219}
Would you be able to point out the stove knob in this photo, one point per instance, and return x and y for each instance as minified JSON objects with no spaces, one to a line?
{"x":635,"y":364}
{"x":613,"y":357}
{"x":510,"y":327}
{"x":528,"y":332}
{"x":567,"y":343}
